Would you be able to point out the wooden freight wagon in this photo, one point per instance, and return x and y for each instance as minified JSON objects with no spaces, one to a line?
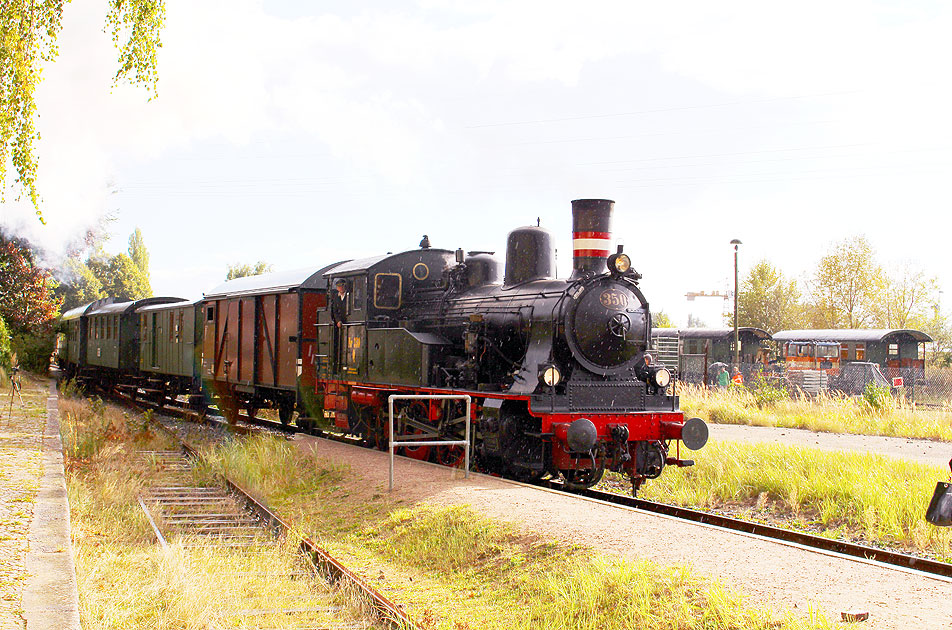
{"x":259,"y":340}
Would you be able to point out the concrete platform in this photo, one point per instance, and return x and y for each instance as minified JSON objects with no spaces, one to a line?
{"x":50,"y":597}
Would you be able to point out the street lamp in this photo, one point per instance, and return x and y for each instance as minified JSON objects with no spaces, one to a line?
{"x":735,"y":243}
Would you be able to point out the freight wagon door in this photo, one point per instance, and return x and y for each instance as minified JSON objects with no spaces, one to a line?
{"x":229,"y":333}
{"x":268,"y":315}
{"x":246,"y":341}
{"x":287,"y":340}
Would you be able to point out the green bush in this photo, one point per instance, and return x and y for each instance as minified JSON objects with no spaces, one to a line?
{"x":33,"y":351}
{"x":5,"y":349}
{"x":765,"y":393}
{"x":878,"y":397}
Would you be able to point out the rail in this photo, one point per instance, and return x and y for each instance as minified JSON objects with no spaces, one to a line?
{"x":464,"y":443}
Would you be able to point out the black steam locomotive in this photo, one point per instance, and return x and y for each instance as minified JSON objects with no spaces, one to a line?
{"x":558,"y":369}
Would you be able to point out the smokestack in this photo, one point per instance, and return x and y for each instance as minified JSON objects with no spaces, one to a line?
{"x":591,"y":235}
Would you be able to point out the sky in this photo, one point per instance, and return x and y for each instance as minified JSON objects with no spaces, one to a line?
{"x":302,"y":133}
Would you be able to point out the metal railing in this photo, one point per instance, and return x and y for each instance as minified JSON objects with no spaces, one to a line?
{"x":464,"y":443}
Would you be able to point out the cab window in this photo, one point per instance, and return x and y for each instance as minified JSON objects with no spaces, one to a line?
{"x":387,"y":288}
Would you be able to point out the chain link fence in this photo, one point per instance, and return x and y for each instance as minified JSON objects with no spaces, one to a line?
{"x":929,"y":388}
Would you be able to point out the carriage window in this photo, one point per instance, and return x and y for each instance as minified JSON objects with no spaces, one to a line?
{"x":358,"y":293}
{"x":210,"y":314}
{"x":894,"y":349}
{"x":387,"y":287}
{"x":861,"y":352}
{"x":844,"y":352}
{"x":827,"y":351}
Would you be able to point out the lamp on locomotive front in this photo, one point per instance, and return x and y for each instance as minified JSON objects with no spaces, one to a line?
{"x":591,"y":235}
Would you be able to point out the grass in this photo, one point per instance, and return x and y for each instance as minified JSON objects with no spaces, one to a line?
{"x":866,"y":497}
{"x":455,"y":569}
{"x":127,"y":581}
{"x":829,"y":413}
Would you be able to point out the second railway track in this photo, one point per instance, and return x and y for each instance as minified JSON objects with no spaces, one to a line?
{"x":226,"y":515}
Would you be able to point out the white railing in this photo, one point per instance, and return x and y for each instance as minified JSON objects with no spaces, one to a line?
{"x":464,"y":443}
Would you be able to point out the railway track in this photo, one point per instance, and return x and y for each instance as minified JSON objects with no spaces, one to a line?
{"x":204,"y":517}
{"x":811,"y":541}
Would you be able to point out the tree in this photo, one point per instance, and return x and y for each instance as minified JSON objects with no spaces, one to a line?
{"x":768,"y":300}
{"x":27,"y":301}
{"x":695,"y":322}
{"x":909,"y":295}
{"x":846,"y":287}
{"x":241,"y":271}
{"x":123,"y":277}
{"x":661,"y":320}
{"x":28,"y":32}
{"x":139,"y":254}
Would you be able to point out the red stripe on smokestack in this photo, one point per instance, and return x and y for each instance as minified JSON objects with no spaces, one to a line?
{"x":591,"y":233}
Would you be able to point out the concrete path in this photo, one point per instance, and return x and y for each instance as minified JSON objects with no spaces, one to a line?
{"x":923,"y":451}
{"x":50,"y":598}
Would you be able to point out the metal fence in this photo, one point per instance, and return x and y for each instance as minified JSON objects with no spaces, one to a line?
{"x":933,"y":388}
{"x":394,"y":444}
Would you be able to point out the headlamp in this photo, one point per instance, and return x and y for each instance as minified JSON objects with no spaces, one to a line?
{"x":551,"y":376}
{"x":622,"y":263}
{"x":662,"y":377}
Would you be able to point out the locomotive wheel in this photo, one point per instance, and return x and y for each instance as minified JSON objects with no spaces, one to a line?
{"x":416,"y":452}
{"x":452,"y":456}
{"x":582,"y":479}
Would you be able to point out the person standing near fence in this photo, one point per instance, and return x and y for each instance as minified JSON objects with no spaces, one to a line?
{"x":723,"y":379}
{"x":737,"y":378}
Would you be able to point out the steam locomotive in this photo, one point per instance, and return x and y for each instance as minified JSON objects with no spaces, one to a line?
{"x":558,"y":370}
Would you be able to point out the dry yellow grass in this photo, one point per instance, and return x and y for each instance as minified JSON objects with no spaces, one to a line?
{"x":828,"y":413}
{"x":126,"y":580}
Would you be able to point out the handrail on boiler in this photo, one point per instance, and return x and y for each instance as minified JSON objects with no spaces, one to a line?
{"x":464,"y":443}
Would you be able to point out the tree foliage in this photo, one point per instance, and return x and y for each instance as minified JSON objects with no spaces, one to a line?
{"x":122,"y":276}
{"x":768,"y":300}
{"x":27,"y":300}
{"x":847,"y":286}
{"x":661,"y":320}
{"x":241,"y":271}
{"x":139,"y":254}
{"x":909,"y":295}
{"x":28,"y":32}
{"x":5,"y":351}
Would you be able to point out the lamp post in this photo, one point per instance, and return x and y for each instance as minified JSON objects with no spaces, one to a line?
{"x":736,"y":243}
